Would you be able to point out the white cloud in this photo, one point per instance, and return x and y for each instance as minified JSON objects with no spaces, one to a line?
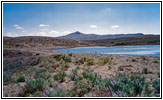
{"x":115,"y":26}
{"x":44,"y":29}
{"x":15,"y":25}
{"x":19,"y":28}
{"x":42,"y":34}
{"x":10,"y":34}
{"x":52,"y":32}
{"x":23,"y":31}
{"x":67,"y":32}
{"x":93,"y":26}
{"x":43,"y":25}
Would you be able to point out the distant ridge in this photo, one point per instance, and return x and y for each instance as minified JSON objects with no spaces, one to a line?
{"x":81,"y":36}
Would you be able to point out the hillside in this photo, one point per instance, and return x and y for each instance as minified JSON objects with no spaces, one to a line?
{"x":81,"y":36}
{"x":39,"y":41}
{"x":51,"y":42}
{"x":135,"y":40}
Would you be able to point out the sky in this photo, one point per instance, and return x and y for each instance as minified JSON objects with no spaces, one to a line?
{"x":57,"y":19}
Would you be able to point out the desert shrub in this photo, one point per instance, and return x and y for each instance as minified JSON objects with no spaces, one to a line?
{"x":63,"y":66}
{"x":70,"y":54}
{"x":82,"y":60}
{"x":158,"y":74}
{"x":126,"y":86}
{"x":106,"y":60}
{"x":58,"y":57}
{"x":60,"y":76}
{"x":87,"y":60}
{"x":74,"y":73}
{"x":30,"y":71}
{"x":6,"y":78}
{"x":145,"y":71}
{"x":147,"y":90}
{"x":155,"y":61}
{"x":120,"y":68}
{"x":81,"y":88}
{"x":156,"y":85}
{"x":133,"y":60}
{"x":41,"y":74}
{"x":59,"y":92}
{"x":38,"y":61}
{"x":90,"y":76}
{"x":21,"y":78}
{"x":51,"y":84}
{"x":126,"y":59}
{"x":65,"y":58}
{"x":37,"y":94}
{"x":88,"y":70}
{"x":143,"y":58}
{"x":109,"y":67}
{"x":6,"y":46}
{"x":34,"y":85}
{"x":90,"y":62}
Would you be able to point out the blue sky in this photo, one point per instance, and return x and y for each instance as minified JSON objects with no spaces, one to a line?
{"x":56,"y":19}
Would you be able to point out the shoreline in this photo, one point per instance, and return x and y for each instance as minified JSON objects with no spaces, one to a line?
{"x":64,"y":47}
{"x":135,"y":53}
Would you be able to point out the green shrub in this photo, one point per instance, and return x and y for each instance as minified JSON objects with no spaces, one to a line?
{"x":38,"y":61}
{"x":92,"y":77}
{"x":155,"y":61}
{"x":60,"y":76}
{"x":143,"y":58}
{"x":133,"y":60}
{"x":74,"y":73}
{"x":90,"y":62}
{"x":6,"y":78}
{"x":67,"y":58}
{"x":34,"y":85}
{"x":51,"y":84}
{"x":88,"y":70}
{"x":58,"y":57}
{"x":63,"y":66}
{"x":59,"y":92}
{"x":21,"y":78}
{"x":126,"y":86}
{"x":145,"y":71}
{"x":120,"y":68}
{"x":37,"y":94}
{"x":106,"y":60}
{"x":41,"y":74}
{"x":158,"y":74}
{"x":156,"y":85}
{"x":109,"y":67}
{"x":82,"y":60}
{"x":81,"y":88}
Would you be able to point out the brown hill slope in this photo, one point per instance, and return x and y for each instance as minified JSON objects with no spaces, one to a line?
{"x":135,"y":40}
{"x":39,"y":41}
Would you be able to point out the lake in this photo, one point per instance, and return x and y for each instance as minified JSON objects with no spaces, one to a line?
{"x":141,"y":50}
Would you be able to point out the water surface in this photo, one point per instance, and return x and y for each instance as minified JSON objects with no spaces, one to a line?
{"x":143,"y":50}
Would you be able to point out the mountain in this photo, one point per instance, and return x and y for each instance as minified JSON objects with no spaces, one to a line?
{"x":81,"y":36}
